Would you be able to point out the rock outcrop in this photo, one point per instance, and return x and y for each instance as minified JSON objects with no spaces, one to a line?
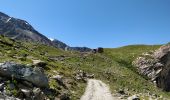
{"x":21,"y":82}
{"x":156,"y":66}
{"x":25,"y":73}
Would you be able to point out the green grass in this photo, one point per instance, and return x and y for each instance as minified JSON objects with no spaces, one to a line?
{"x":125,"y":74}
{"x":114,"y":66}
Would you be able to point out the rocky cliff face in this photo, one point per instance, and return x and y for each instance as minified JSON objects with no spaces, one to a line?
{"x":156,"y":66}
{"x":21,"y":30}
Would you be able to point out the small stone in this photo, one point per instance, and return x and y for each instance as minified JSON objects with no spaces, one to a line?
{"x":58,"y":78}
{"x":134,"y":97}
{"x":1,"y":86}
{"x":38,"y":94}
{"x":36,"y":91}
{"x":39,"y":63}
{"x":26,"y":92}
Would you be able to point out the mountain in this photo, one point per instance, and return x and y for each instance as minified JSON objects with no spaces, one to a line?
{"x":64,"y":46}
{"x":59,"y":44}
{"x":81,"y":49}
{"x":21,"y":30}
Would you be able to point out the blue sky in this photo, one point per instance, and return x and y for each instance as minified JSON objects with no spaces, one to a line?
{"x":96,"y":23}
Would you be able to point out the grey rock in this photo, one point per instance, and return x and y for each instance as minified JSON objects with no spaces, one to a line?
{"x":26,"y":92}
{"x":2,"y":86}
{"x":60,"y":80}
{"x":36,"y":91}
{"x":162,"y":52}
{"x":38,"y":94}
{"x":39,"y":63}
{"x":134,"y":97}
{"x":81,"y":75}
{"x":57,"y":77}
{"x":156,"y":66}
{"x":22,"y":72}
{"x":5,"y":97}
{"x":148,"y":66}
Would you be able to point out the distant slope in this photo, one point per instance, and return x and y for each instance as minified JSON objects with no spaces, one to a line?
{"x":59,"y":44}
{"x":64,"y":46}
{"x":21,"y":30}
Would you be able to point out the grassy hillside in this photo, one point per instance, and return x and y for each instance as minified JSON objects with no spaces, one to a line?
{"x":125,"y":75}
{"x":114,"y":66}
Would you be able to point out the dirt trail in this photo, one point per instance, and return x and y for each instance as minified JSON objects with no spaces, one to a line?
{"x":97,"y":90}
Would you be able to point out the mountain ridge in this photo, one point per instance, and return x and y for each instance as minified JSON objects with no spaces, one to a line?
{"x":21,"y":30}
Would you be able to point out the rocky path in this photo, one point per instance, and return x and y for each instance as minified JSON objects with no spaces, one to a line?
{"x":97,"y":90}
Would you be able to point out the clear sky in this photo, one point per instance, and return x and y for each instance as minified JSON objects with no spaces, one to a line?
{"x":96,"y":23}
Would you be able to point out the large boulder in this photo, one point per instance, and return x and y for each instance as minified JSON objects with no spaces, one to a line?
{"x":156,"y":66}
{"x":25,"y":73}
